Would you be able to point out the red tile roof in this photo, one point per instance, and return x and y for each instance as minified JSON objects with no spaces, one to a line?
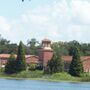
{"x":29,"y":58}
{"x":69,"y":58}
{"x":8,"y":55}
{"x":65,"y":58}
{"x":4,"y":56}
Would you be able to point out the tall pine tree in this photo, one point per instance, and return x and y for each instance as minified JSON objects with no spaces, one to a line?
{"x":76,"y":67}
{"x":56,"y":64}
{"x":20,"y":61}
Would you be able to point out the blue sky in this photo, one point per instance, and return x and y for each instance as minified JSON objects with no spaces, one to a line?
{"x":58,"y":20}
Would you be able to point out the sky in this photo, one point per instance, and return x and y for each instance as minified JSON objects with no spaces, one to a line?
{"x":57,"y":20}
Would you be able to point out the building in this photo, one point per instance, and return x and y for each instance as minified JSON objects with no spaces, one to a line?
{"x":45,"y":54}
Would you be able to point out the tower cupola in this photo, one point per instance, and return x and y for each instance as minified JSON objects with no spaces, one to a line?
{"x":46,"y":44}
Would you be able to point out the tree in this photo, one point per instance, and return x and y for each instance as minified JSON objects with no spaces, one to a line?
{"x":76,"y":67}
{"x":55,"y":65}
{"x":12,"y":48}
{"x":59,"y":47}
{"x":71,"y":46}
{"x":6,"y":46}
{"x":10,"y":67}
{"x":20,"y":61}
{"x":33,"y":48}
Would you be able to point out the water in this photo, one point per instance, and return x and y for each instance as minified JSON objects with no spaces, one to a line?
{"x":6,"y":84}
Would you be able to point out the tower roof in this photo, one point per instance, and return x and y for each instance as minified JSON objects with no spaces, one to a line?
{"x":46,"y":40}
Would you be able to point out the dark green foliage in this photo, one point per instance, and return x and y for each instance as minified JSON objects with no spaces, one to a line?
{"x":10,"y":67}
{"x":64,"y":48}
{"x":60,"y":47}
{"x":55,"y":65}
{"x":85,"y":48}
{"x":33,"y":48}
{"x":76,"y":67}
{"x":12,"y":48}
{"x":72,"y":44}
{"x":7,"y":47}
{"x":20,"y":61}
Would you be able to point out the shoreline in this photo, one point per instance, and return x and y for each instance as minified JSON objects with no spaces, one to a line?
{"x":38,"y":75}
{"x":41,"y":79}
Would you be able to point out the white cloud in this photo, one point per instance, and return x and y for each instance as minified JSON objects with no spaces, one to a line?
{"x":38,"y":19}
{"x":61,"y":20}
{"x":5,"y":27}
{"x":24,"y":18}
{"x":4,"y":24}
{"x":81,"y":9}
{"x":74,"y":32}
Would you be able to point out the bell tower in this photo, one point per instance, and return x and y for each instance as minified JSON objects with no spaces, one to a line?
{"x":46,"y":52}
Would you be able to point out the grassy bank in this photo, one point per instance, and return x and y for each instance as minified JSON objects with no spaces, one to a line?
{"x":38,"y":75}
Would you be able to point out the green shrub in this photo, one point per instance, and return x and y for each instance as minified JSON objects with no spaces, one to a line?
{"x":63,"y":76}
{"x":32,"y":67}
{"x":30,"y":74}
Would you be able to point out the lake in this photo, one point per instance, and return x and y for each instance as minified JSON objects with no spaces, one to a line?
{"x":6,"y":84}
